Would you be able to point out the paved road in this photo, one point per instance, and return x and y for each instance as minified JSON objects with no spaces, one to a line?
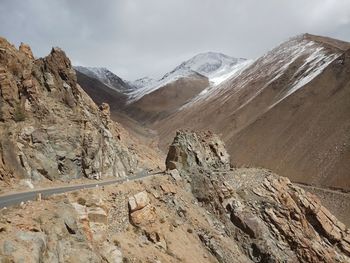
{"x":326,"y":190}
{"x":14,"y":199}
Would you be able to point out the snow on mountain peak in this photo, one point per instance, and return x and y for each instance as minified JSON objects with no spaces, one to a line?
{"x":217,"y":67}
{"x":142,"y":82}
{"x":210,"y":64}
{"x":106,"y":77}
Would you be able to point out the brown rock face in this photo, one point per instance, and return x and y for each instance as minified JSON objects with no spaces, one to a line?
{"x":204,"y":150}
{"x":138,"y":201}
{"x":271,"y":219}
{"x":143,"y":216}
{"x":50,"y":129}
{"x":25,"y":48}
{"x":141,"y":211}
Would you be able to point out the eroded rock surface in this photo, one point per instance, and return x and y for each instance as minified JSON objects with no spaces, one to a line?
{"x":199,"y":213}
{"x":271,"y":219}
{"x":203,"y":150}
{"x":50,"y":129}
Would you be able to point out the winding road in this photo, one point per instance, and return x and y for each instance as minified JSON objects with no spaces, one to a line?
{"x":16,"y":198}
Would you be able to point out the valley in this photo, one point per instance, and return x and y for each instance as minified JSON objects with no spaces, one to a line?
{"x":292,"y":103}
{"x":222,"y":159}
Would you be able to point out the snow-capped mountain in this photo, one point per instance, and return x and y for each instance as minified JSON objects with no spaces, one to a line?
{"x":286,"y":111}
{"x":217,"y":67}
{"x":142,"y":82}
{"x":212,"y":65}
{"x":106,"y":77}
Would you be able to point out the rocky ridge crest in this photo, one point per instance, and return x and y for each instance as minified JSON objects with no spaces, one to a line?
{"x":51,"y":129}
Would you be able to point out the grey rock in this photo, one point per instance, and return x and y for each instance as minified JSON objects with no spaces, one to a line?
{"x":111,"y":253}
{"x":8,"y":247}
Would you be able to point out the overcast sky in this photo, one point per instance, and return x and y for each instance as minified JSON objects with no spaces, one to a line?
{"x":136,"y":38}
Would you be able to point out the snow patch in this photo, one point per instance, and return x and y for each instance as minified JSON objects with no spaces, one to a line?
{"x":219,"y":85}
{"x":107,"y":77}
{"x":216,"y":67}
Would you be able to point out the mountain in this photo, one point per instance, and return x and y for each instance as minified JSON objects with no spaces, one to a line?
{"x":198,"y":208}
{"x":165,"y":100}
{"x":106,"y":77}
{"x":100,"y":92}
{"x":142,"y":82}
{"x":154,"y":100}
{"x":148,"y":100}
{"x":215,"y":66}
{"x":287,"y":111}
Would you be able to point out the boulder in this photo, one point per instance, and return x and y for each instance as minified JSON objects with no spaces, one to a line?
{"x":97,"y":215}
{"x":138,"y":201}
{"x":81,"y":211}
{"x":174,"y":173}
{"x":143,"y":216}
{"x":110,"y":253}
{"x":191,"y":150}
{"x":168,"y":188}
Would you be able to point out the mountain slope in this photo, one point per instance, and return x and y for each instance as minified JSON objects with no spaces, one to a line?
{"x":106,"y":77}
{"x":287,"y":111}
{"x":215,"y":66}
{"x":153,"y":100}
{"x":165,"y":100}
{"x":101,"y":92}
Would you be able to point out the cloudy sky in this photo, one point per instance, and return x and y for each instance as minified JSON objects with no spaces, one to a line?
{"x":135,"y":38}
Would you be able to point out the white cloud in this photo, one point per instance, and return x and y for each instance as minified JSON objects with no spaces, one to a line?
{"x":137,"y":37}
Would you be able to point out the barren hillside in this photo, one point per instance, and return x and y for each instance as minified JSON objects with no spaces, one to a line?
{"x":288,"y":111}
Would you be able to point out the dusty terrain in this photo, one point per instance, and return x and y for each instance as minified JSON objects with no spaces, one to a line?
{"x":203,"y":212}
{"x":337,"y":201}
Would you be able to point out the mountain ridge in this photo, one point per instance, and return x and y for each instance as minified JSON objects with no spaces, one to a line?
{"x":212,"y":65}
{"x":286,"y":73}
{"x":107,"y":77}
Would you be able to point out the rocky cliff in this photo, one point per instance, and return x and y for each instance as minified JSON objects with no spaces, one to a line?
{"x":200,"y":210}
{"x":50,"y":129}
{"x":272,"y":219}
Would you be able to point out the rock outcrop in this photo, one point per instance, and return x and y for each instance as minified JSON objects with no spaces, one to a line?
{"x":25,"y":48}
{"x":141,"y":211}
{"x":212,"y":213}
{"x":272,"y":219}
{"x":50,"y":128}
{"x":197,"y":150}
